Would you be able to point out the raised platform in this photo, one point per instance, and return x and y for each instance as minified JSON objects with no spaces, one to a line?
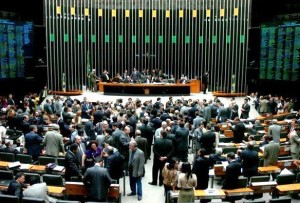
{"x":67,"y":93}
{"x":225,"y":94}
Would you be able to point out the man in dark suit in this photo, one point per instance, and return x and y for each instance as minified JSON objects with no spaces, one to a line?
{"x":112,"y":163}
{"x":105,"y":76}
{"x":245,"y":109}
{"x":162,"y":150}
{"x":233,"y":171}
{"x":72,"y":164}
{"x":142,"y":143}
{"x":16,"y":186}
{"x":207,"y":140}
{"x":250,"y":160}
{"x":135,"y":75}
{"x":33,"y":142}
{"x":98,"y":180}
{"x":181,"y":142}
{"x":201,"y":170}
{"x":238,"y":130}
{"x":147,"y":132}
{"x":86,"y":108}
{"x":205,"y":82}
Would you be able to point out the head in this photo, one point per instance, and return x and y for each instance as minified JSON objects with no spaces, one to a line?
{"x":230,"y":156}
{"x":202,"y":152}
{"x":74,"y":147}
{"x":93,"y":145}
{"x":132,"y":145}
{"x":20,"y":177}
{"x":127,"y":130}
{"x":250,"y":145}
{"x":219,"y":151}
{"x":77,"y":139}
{"x":138,"y":133}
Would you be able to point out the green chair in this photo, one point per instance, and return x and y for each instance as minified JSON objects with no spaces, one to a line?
{"x":281,"y":200}
{"x":24,"y":158}
{"x":285,"y":179}
{"x":10,"y":157}
{"x":226,"y":150}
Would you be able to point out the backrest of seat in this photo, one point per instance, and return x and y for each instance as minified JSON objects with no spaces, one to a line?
{"x":24,"y":158}
{"x":226,"y":150}
{"x":254,"y":201}
{"x":281,"y":200}
{"x":6,"y":175}
{"x":298,"y":178}
{"x":285,"y":179}
{"x":29,"y":175}
{"x":67,"y":201}
{"x":10,"y":157}
{"x":32,"y":200}
{"x":60,"y":161}
{"x":284,"y":158}
{"x":52,"y":180}
{"x":243,"y":182}
{"x":9,"y":198}
{"x":254,"y":179}
{"x":44,"y":160}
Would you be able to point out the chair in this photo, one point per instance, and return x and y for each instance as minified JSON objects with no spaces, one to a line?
{"x":255,"y":179}
{"x":10,"y":157}
{"x":24,"y":158}
{"x":67,"y":201}
{"x":243,"y":182}
{"x":60,"y":161}
{"x":44,"y":160}
{"x":285,"y":179}
{"x":32,"y":200}
{"x":29,"y":175}
{"x":9,"y":198}
{"x":52,"y":180}
{"x":298,"y":178}
{"x":230,"y":149}
{"x":281,"y":200}
{"x":258,"y":137}
{"x":10,"y":132}
{"x":280,"y":158}
{"x":6,"y":177}
{"x":254,"y":201}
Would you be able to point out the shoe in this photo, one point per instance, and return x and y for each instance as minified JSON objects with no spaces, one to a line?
{"x":139,"y":198}
{"x":151,"y":183}
{"x":160,"y":184}
{"x":131,"y":194}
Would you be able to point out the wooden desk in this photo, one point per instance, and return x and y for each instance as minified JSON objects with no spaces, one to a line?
{"x":268,"y":169}
{"x":288,"y":188}
{"x":124,"y":88}
{"x":239,"y":192}
{"x":285,"y":150}
{"x":263,"y":187}
{"x":76,"y":188}
{"x":218,"y":169}
{"x":202,"y":194}
{"x":37,"y":169}
{"x":288,"y":164}
{"x":56,"y":191}
{"x":4,"y":164}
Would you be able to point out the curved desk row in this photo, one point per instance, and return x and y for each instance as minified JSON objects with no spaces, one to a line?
{"x":146,"y":89}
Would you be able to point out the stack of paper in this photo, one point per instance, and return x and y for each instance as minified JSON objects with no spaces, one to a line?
{"x":14,"y":164}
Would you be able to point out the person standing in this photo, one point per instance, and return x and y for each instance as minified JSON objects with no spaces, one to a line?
{"x":201,"y":169}
{"x":147,"y":132}
{"x":208,"y":140}
{"x":275,"y":131}
{"x":187,"y":181}
{"x":135,"y":76}
{"x":93,"y":80}
{"x":181,"y":142}
{"x":245,"y":109}
{"x":98,"y":181}
{"x":136,"y":169}
{"x":238,"y":130}
{"x":250,"y":160}
{"x":233,"y":171}
{"x":142,"y":143}
{"x":43,"y":94}
{"x":205,"y":82}
{"x":53,"y":142}
{"x":33,"y":143}
{"x":72,"y":163}
{"x":271,"y":152}
{"x":295,"y":143}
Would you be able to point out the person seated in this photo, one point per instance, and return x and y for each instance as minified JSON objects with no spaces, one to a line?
{"x":38,"y":190}
{"x":216,"y":158}
{"x":9,"y":148}
{"x":17,"y":185}
{"x":127,"y":79}
{"x":117,"y":78}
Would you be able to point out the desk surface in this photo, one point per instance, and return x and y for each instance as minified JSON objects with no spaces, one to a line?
{"x":239,"y":191}
{"x":203,"y":194}
{"x":4,"y":164}
{"x":288,"y":187}
{"x":56,"y":191}
{"x":268,"y":169}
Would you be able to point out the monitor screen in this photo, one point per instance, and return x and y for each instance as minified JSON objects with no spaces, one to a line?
{"x":16,"y":47}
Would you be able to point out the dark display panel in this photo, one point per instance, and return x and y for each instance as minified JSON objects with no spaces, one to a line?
{"x":15,"y":48}
{"x":280,"y":52}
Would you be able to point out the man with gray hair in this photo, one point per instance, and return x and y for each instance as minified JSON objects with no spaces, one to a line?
{"x":217,"y":157}
{"x":274,"y":131}
{"x":53,"y":142}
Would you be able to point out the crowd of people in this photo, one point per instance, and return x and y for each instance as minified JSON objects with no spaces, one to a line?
{"x":101,"y":140}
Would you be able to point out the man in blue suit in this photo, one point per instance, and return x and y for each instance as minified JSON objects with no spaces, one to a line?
{"x":33,"y":142}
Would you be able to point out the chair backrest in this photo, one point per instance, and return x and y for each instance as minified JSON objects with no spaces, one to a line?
{"x":9,"y":198}
{"x":284,"y":158}
{"x":254,"y":179}
{"x":60,"y":161}
{"x":254,"y":201}
{"x":285,"y":179}
{"x":24,"y":158}
{"x":243,"y":182}
{"x":29,"y":175}
{"x":281,"y":200}
{"x":52,"y":180}
{"x":10,"y":157}
{"x":10,"y":132}
{"x":32,"y":200}
{"x":226,"y":150}
{"x":67,"y":201}
{"x":6,"y":175}
{"x":44,"y":160}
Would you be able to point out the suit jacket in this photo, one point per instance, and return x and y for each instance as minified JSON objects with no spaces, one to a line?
{"x":142,"y":144}
{"x":104,"y":77}
{"x":275,"y":131}
{"x":201,"y":170}
{"x":245,"y":113}
{"x":207,"y":141}
{"x":98,"y":181}
{"x":85,"y":109}
{"x":238,"y":132}
{"x":181,"y":139}
{"x":136,"y":165}
{"x":113,"y":163}
{"x":295,"y":142}
{"x":233,"y":171}
{"x":162,"y":147}
{"x":53,"y":142}
{"x":15,"y":188}
{"x":33,"y":143}
{"x":224,"y":114}
{"x":72,"y":165}
{"x":250,"y":162}
{"x":89,"y":129}
{"x":207,"y":113}
{"x":147,"y":132}
{"x":271,"y":153}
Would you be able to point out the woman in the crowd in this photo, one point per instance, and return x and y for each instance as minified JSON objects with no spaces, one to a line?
{"x":187,"y":181}
{"x":169,"y":174}
{"x":92,"y":154}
